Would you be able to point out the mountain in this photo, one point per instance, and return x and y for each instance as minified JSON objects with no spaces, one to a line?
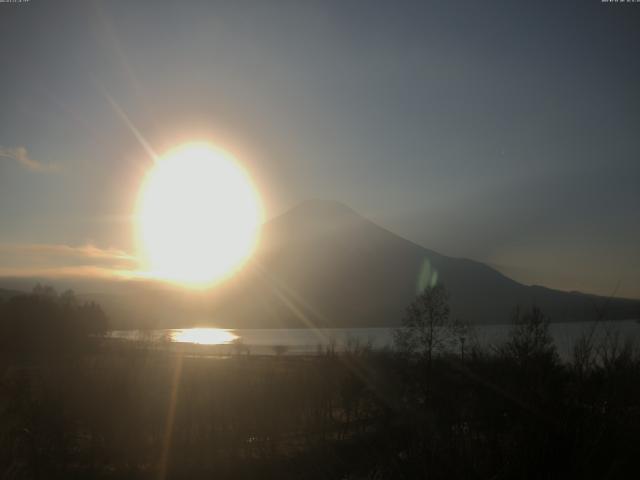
{"x":322,"y":264}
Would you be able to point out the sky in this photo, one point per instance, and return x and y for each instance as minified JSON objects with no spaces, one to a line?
{"x":505,"y":132}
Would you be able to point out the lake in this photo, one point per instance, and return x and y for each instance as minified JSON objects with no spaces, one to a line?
{"x":308,"y":341}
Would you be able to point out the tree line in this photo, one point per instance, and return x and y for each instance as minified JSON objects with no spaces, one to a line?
{"x":437,"y":405}
{"x":44,"y":322}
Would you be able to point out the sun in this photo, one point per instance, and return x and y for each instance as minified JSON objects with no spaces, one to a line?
{"x":198,"y":216}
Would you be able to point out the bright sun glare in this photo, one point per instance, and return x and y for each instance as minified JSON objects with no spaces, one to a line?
{"x":203,"y":336}
{"x":198,"y":216}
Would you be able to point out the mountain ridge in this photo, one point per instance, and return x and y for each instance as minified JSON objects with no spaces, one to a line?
{"x":321,"y":264}
{"x":350,"y":271}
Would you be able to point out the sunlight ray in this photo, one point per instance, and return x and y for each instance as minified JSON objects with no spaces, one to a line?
{"x":132,"y":128}
{"x":289,"y":298}
{"x":171,"y":413}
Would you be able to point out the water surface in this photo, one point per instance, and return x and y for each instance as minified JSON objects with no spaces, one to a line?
{"x":308,"y":341}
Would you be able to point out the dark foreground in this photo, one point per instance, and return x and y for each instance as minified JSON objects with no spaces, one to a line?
{"x":120,"y":411}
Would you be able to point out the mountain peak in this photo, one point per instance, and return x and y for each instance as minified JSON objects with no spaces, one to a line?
{"x":323,"y":207}
{"x":317,"y":212}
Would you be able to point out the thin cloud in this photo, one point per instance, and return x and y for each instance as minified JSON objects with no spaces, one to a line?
{"x":20,"y":155}
{"x":20,"y":260}
{"x":82,"y":271}
{"x":84,"y":251}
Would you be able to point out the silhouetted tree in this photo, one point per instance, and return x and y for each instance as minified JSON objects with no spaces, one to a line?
{"x":68,"y":298}
{"x":43,"y":322}
{"x":46,"y":291}
{"x":529,"y":339}
{"x":462,"y":336}
{"x":426,"y":328}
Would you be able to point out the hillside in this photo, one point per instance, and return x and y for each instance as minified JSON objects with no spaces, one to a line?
{"x":323,"y":264}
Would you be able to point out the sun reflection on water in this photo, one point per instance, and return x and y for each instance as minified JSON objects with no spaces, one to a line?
{"x":203,"y":336}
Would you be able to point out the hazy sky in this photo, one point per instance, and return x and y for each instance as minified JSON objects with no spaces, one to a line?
{"x":500,"y":131}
